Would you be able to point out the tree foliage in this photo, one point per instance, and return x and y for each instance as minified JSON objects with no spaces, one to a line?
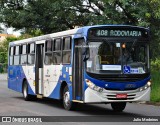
{"x":38,"y":17}
{"x":1,"y":30}
{"x":4,"y":47}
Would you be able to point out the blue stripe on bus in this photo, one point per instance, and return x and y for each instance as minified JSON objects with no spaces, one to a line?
{"x":16,"y":76}
{"x":116,"y":85}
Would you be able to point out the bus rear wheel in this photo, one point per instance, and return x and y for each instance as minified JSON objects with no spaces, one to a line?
{"x":118,"y":106}
{"x":67,"y":103}
{"x":26,"y":96}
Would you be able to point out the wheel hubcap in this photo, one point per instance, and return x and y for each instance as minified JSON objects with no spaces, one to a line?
{"x":66,"y":98}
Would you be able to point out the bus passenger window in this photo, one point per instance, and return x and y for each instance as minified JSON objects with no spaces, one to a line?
{"x":57,"y":52}
{"x":16,"y":55}
{"x":48,"y":52}
{"x":57,"y":44}
{"x":67,"y":43}
{"x":31,"y":53}
{"x":66,"y":50}
{"x":48,"y":46}
{"x":11,"y":56}
{"x":23,"y":54}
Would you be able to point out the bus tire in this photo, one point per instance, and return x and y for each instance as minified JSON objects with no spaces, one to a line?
{"x":118,"y":106}
{"x":67,"y":103}
{"x":26,"y":96}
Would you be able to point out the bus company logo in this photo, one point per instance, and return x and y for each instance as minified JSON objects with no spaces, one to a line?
{"x":130,"y":86}
{"x":106,"y":85}
{"x":6,"y":119}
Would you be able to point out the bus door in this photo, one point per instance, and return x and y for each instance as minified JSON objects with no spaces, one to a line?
{"x":39,"y":68}
{"x":77,"y":69}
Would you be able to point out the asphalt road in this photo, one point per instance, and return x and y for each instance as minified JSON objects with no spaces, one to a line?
{"x":13,"y":104}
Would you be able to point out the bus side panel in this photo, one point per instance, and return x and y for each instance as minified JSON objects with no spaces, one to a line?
{"x":20,"y":77}
{"x":63,"y":77}
{"x":16,"y":76}
{"x":12,"y":83}
{"x":30,"y":76}
{"x":23,"y":75}
{"x":30,"y":91}
{"x":51,"y":77}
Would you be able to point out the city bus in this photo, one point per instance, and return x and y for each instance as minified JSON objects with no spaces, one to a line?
{"x":92,"y":64}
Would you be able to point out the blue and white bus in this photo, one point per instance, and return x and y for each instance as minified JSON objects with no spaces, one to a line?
{"x":92,"y":64}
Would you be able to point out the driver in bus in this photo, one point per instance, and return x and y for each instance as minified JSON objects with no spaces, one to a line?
{"x":125,"y":58}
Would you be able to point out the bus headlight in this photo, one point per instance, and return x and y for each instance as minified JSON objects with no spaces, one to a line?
{"x":146,"y":86}
{"x":149,"y":83}
{"x":93,"y":86}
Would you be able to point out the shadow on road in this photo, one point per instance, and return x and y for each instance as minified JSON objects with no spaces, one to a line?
{"x":86,"y":109}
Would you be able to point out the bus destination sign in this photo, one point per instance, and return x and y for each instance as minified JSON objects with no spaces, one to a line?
{"x":117,"y":33}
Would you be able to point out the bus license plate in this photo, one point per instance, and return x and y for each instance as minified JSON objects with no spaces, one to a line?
{"x":121,"y":96}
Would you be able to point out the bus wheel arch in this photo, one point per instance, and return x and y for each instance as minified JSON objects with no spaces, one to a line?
{"x":65,"y":97}
{"x":63,"y":85}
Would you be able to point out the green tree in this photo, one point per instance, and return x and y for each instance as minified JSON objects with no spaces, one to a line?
{"x":38,"y":17}
{"x":4,"y":47}
{"x":1,"y":30}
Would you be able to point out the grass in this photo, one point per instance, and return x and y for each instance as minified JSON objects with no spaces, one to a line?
{"x":155,"y":88}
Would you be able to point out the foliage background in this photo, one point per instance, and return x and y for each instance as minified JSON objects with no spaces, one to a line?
{"x":37,"y":17}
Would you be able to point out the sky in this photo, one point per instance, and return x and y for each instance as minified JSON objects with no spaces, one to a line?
{"x":11,"y":31}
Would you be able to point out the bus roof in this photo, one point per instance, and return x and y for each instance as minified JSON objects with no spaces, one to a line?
{"x":79,"y":32}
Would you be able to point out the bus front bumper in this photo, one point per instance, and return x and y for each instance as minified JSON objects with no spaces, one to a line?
{"x":107,"y":96}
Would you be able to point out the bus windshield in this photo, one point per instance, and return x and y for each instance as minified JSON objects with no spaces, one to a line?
{"x":117,"y":57}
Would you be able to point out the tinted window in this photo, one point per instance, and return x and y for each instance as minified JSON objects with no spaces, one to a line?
{"x":24,"y":54}
{"x":24,"y":49}
{"x":66,"y":56}
{"x":48,"y":45}
{"x":11,"y":60}
{"x":56,"y":57}
{"x":67,"y":43}
{"x":57,"y":44}
{"x":23,"y":59}
{"x":16,"y":60}
{"x":17,"y":50}
{"x":48,"y":58}
{"x":31,"y":58}
{"x":66,"y":53}
{"x":31,"y":54}
{"x":11,"y":55}
{"x":11,"y":51}
{"x":31,"y":48}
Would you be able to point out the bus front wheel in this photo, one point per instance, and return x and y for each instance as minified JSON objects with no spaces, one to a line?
{"x":118,"y":106}
{"x":26,"y":96}
{"x":67,"y":103}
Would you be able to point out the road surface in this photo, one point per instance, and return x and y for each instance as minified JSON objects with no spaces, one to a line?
{"x":13,"y":104}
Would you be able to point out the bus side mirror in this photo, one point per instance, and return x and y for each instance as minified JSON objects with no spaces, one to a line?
{"x":86,"y":57}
